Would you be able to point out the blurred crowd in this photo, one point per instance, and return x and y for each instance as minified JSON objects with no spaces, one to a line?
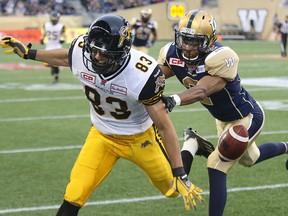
{"x":44,"y":7}
{"x":106,"y":6}
{"x":35,"y":7}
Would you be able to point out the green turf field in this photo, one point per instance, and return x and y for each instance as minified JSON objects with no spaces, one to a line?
{"x":43,"y":127}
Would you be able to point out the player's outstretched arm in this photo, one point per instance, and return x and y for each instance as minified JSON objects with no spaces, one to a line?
{"x":58,"y":57}
{"x":180,"y":183}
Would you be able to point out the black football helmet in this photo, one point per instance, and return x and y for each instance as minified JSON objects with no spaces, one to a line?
{"x":197,"y":29}
{"x":54,"y":17}
{"x":110,"y":35}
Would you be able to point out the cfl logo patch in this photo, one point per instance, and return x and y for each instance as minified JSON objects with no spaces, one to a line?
{"x":177,"y":62}
{"x":88,"y":77}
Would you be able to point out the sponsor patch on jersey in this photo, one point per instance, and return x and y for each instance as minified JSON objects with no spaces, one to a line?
{"x":200,"y":69}
{"x":177,"y":62}
{"x":90,"y":78}
{"x":118,"y":89}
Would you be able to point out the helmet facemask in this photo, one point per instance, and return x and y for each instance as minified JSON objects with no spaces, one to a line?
{"x":191,"y":47}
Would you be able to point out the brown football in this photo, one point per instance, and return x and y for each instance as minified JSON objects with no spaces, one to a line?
{"x":233,"y":143}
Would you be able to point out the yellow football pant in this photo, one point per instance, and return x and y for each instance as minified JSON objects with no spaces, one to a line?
{"x":100,"y":153}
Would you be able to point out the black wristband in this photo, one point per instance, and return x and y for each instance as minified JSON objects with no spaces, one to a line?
{"x":32,"y":54}
{"x":179,"y":171}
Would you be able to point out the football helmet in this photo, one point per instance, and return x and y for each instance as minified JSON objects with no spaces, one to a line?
{"x":195,"y":36}
{"x":146,"y":14}
{"x":54,"y":17}
{"x":111,"y":36}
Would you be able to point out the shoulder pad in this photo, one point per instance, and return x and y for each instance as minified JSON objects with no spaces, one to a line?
{"x":222,"y":62}
{"x":163,"y":53}
{"x":155,"y":24}
{"x":153,"y":88}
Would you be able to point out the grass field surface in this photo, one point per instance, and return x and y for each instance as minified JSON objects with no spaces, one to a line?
{"x":44,"y":125}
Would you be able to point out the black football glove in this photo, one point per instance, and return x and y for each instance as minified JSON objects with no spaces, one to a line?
{"x":169,"y":102}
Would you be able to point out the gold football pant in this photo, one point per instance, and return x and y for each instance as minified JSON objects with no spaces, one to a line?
{"x":100,"y":153}
{"x":254,"y":122}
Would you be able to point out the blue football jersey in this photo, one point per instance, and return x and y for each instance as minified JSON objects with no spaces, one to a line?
{"x":232,"y":102}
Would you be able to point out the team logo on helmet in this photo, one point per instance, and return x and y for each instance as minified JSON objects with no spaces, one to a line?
{"x":125,"y":32}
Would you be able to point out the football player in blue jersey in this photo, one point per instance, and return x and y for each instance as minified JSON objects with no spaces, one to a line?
{"x":129,"y":120}
{"x":145,"y":31}
{"x":209,"y":72}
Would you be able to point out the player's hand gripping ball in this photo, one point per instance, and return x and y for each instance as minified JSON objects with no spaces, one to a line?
{"x":233,"y":143}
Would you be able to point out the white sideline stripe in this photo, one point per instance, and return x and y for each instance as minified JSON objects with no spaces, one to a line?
{"x":40,"y":99}
{"x":54,"y":148}
{"x":39,"y":149}
{"x":75,"y":116}
{"x":44,"y":118}
{"x":137,"y":199}
{"x":16,"y":100}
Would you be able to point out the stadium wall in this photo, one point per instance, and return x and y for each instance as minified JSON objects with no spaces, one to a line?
{"x":253,"y":17}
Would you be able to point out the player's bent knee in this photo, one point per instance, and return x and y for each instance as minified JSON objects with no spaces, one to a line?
{"x":250,"y":157}
{"x":248,"y":162}
{"x":75,"y":192}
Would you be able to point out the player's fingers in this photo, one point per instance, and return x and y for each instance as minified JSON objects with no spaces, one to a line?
{"x":196,"y":193}
{"x":186,"y":203}
{"x":9,"y":51}
{"x":6,"y":38}
{"x":4,"y":45}
{"x":192,"y":201}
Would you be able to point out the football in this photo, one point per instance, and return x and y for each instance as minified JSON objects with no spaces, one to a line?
{"x":233,"y":143}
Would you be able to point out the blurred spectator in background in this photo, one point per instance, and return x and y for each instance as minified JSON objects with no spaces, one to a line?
{"x":275,"y":27}
{"x":283,"y":31}
{"x":144,"y":31}
{"x":275,"y":22}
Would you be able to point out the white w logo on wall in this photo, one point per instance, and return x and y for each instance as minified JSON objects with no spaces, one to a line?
{"x":252,"y":19}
